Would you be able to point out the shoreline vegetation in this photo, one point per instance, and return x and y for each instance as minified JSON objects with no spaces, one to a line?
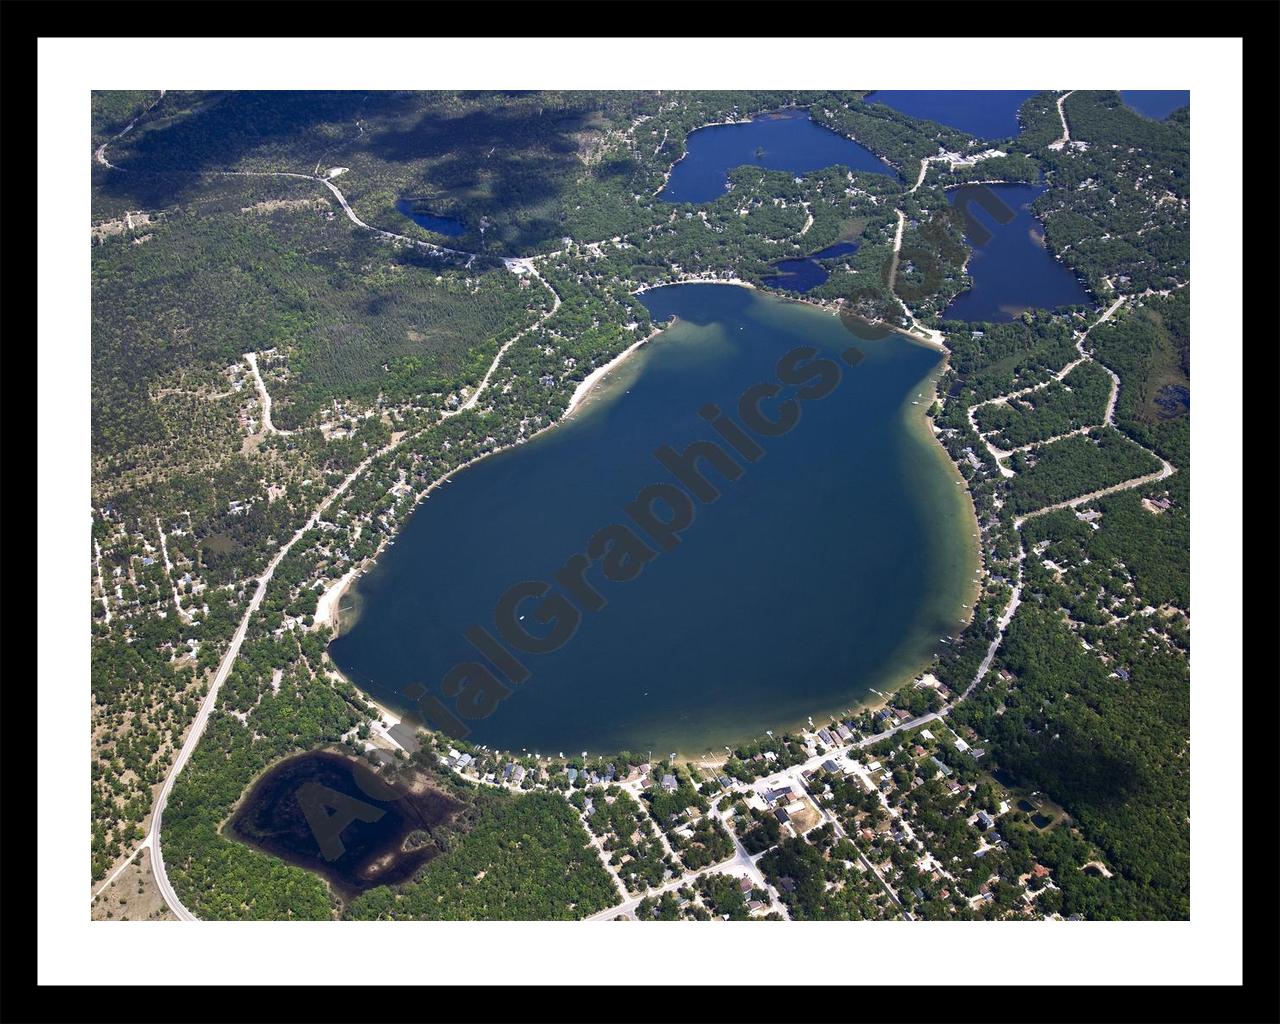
{"x":327,"y":607}
{"x":597,"y":375}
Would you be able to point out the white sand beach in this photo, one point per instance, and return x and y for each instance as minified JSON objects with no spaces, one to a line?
{"x":327,"y":606}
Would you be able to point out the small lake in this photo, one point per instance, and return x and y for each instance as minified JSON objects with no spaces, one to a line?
{"x":835,"y":563}
{"x":277,"y":817}
{"x":985,"y":113}
{"x":1155,"y":103}
{"x":450,"y":226}
{"x":786,"y":141}
{"x":1012,"y":271}
{"x":807,"y":272}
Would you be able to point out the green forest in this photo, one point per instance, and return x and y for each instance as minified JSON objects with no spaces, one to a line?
{"x":1078,"y":400}
{"x":1075,"y":466}
{"x":526,"y":858}
{"x":352,"y":318}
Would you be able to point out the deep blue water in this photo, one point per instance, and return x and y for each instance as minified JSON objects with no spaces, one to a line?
{"x":806,"y":273}
{"x":986,"y":113}
{"x":1011,"y":269}
{"x":832,"y":251}
{"x":450,"y":226}
{"x":1155,"y":103}
{"x":833,"y":564}
{"x":786,"y":141}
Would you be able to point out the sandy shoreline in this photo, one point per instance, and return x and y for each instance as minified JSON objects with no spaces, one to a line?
{"x":596,"y":375}
{"x":694,"y":279}
{"x":895,"y":681}
{"x":327,"y":606}
{"x":830,"y":306}
{"x":600,"y":372}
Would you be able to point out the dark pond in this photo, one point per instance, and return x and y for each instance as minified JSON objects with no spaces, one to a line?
{"x":332,"y":815}
{"x":450,"y":226}
{"x":785,"y":141}
{"x":1012,"y":271}
{"x":807,"y":272}
{"x":1173,"y":400}
{"x":1155,"y":103}
{"x":986,"y":113}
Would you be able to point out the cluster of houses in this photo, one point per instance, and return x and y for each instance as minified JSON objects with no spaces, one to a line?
{"x":790,"y":805}
{"x":841,"y":732}
{"x":457,"y":761}
{"x":591,"y":778}
{"x":891,"y":716}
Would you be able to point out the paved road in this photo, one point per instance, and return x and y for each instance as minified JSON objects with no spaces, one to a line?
{"x":100,"y":154}
{"x":228,"y":660}
{"x":628,"y":908}
{"x":747,"y":864}
{"x":211,"y":698}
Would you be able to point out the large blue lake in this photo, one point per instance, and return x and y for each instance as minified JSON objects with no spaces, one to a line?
{"x":1155,"y":103}
{"x":833,"y":564}
{"x":1012,"y":271}
{"x":986,"y":113}
{"x":785,"y":141}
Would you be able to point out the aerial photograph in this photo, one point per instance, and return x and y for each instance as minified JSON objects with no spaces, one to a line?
{"x":638,"y":505}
